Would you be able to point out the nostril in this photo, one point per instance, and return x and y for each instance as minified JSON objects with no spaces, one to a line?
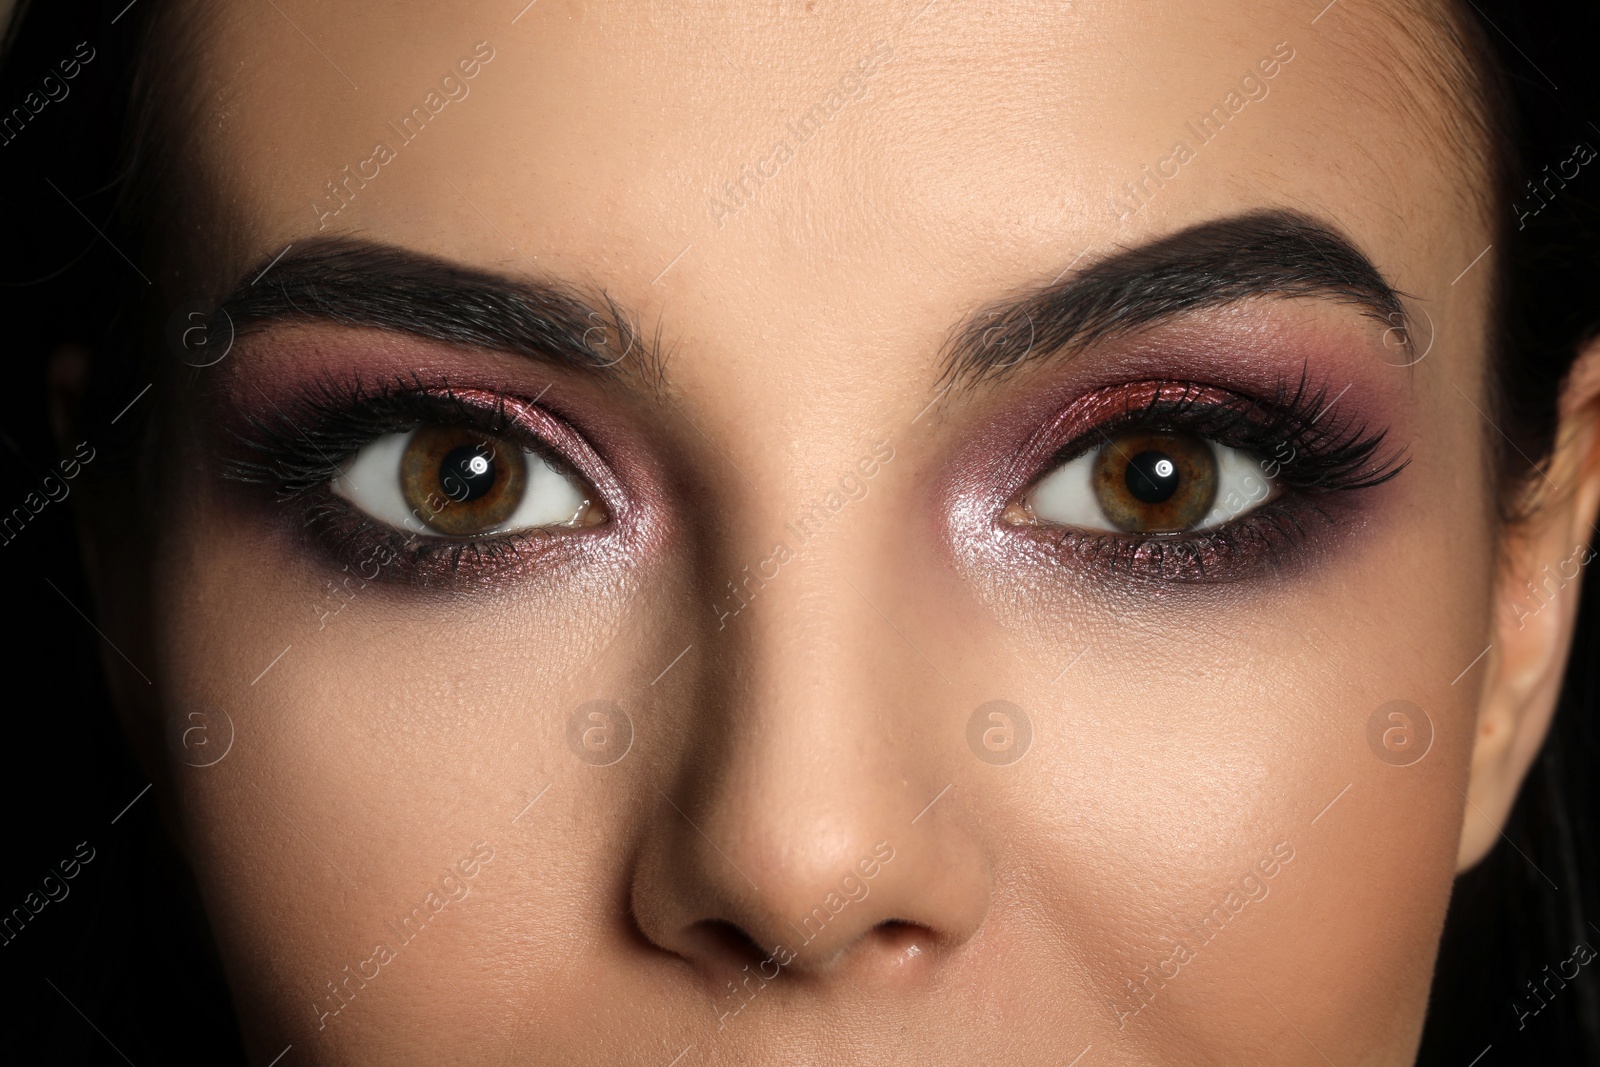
{"x":721,"y":945}
{"x":896,"y":930}
{"x":901,"y":942}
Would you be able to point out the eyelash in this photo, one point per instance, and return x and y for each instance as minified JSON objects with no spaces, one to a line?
{"x":297,"y":452}
{"x":1327,"y":454}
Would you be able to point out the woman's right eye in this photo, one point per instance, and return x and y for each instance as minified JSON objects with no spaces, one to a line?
{"x":459,"y":482}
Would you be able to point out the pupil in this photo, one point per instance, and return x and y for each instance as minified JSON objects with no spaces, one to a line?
{"x":465,"y":473}
{"x":1152,"y":477}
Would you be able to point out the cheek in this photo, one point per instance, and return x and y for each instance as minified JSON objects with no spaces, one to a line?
{"x":1189,"y":741}
{"x":371,"y":752}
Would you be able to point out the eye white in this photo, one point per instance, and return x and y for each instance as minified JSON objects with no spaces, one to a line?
{"x":1066,"y":496}
{"x":370,"y":480}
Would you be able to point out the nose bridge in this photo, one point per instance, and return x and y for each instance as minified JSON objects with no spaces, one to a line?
{"x":810,"y":778}
{"x":821,"y":520}
{"x":791,"y":817}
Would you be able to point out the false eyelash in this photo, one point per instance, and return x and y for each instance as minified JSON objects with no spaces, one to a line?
{"x":296,"y":450}
{"x":299,"y":450}
{"x":1329,"y":453}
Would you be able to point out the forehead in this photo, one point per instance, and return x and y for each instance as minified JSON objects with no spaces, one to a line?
{"x":800,"y":158}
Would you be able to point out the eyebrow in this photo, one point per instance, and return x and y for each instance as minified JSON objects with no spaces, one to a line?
{"x":1277,"y":253}
{"x":358,"y":283}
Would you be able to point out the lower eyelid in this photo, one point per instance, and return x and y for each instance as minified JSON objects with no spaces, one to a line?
{"x":1265,"y":540}
{"x":378,"y":551}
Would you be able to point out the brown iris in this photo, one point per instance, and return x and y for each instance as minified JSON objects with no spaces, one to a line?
{"x":461,"y":481}
{"x":1155,"y":482}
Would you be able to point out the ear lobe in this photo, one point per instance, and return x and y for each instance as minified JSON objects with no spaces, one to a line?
{"x":1543,"y":561}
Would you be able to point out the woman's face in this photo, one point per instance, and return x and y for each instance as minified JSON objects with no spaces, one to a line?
{"x":952,"y":624}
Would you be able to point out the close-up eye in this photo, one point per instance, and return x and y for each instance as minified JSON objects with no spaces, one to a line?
{"x":1150,"y":482}
{"x":455,"y":481}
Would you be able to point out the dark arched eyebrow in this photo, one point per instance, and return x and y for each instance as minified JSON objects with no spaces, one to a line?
{"x":1279,"y":254}
{"x":358,"y":283}
{"x":1261,"y":254}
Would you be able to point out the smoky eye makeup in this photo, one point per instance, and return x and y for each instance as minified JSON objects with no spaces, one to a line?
{"x":1117,"y":468}
{"x":420,"y":481}
{"x":1189,"y":482}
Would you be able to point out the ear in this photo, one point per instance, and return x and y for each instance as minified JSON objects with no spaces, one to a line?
{"x":1542,"y":562}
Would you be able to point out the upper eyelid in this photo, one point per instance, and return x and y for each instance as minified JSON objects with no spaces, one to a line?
{"x":531,"y":437}
{"x":1099,"y":434}
{"x":494,"y":420}
{"x":490,"y":419}
{"x":1342,"y":450}
{"x":330,"y":424}
{"x":1291,"y":410}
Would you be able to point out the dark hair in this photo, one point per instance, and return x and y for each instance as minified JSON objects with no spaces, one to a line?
{"x":1517,"y":916}
{"x":133,"y":965}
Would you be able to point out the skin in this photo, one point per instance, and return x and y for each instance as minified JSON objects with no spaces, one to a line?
{"x":1179,"y":735}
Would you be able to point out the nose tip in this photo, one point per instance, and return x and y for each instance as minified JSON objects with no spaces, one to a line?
{"x":810,"y":903}
{"x":834,"y":903}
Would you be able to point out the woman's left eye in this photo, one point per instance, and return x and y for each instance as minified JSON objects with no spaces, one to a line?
{"x":455,"y":481}
{"x":1150,"y":482}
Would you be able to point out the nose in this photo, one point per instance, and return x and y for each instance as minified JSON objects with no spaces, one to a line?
{"x":796,"y":830}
